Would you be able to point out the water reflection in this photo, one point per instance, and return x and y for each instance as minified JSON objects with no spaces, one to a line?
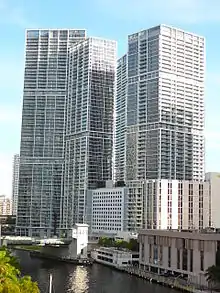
{"x":79,"y":281}
{"x":68,"y":278}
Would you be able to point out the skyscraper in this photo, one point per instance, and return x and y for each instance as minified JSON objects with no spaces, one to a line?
{"x":67,"y":127}
{"x":120,"y":119}
{"x":15,"y":181}
{"x":89,"y":124}
{"x":43,"y":129}
{"x":165,"y":105}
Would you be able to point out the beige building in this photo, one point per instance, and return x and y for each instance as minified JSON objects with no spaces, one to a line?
{"x":174,"y":204}
{"x":5,"y":205}
{"x":214,"y":198}
{"x":180,"y":254}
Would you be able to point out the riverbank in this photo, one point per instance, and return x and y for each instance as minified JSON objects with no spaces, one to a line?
{"x":69,"y":278}
{"x":172,"y":283}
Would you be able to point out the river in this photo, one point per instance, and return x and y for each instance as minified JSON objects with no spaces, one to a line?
{"x":68,"y":278}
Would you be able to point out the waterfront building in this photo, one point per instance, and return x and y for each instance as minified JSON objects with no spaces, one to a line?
{"x":173,"y":204}
{"x":214,"y":187}
{"x":116,"y":210}
{"x":89,"y":124}
{"x":15,"y":182}
{"x":43,"y":129}
{"x":109,"y":210}
{"x":120,"y":119}
{"x":5,"y":206}
{"x":154,"y":204}
{"x":164,"y":106}
{"x":115,"y":257}
{"x":67,"y":127}
{"x":178,"y":254}
{"x":136,"y":204}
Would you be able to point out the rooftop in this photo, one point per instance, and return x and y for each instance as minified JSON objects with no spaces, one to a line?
{"x":211,"y":235}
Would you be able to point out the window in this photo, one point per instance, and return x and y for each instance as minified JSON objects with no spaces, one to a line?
{"x":202,"y":260}
{"x":169,"y":256}
{"x":184,"y":256}
{"x":142,"y":252}
{"x":178,"y":259}
{"x":191,"y":260}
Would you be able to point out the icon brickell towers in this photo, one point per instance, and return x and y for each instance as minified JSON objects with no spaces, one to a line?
{"x":160,"y":106}
{"x":67,"y":127}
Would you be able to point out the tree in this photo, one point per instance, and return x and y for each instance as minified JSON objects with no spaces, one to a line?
{"x":10,"y":276}
{"x":105,"y":241}
{"x":133,"y":245}
{"x":213,"y":276}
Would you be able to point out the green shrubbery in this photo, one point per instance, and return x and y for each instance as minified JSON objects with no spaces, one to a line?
{"x":10,"y":276}
{"x":111,"y":242}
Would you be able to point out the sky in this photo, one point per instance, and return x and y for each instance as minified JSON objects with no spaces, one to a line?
{"x":113,"y":19}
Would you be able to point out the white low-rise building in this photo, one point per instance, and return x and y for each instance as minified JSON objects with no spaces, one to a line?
{"x":108,"y":209}
{"x":115,"y":257}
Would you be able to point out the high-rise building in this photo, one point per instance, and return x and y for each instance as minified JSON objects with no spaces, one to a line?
{"x":67,"y":127}
{"x":120,"y":119}
{"x":89,"y":124}
{"x":15,"y":181}
{"x":164,"y":105}
{"x":43,"y":129}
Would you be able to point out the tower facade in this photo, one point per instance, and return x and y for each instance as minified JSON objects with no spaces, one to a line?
{"x":43,"y":129}
{"x":89,"y":124}
{"x":120,"y":119}
{"x":165,"y":105}
{"x":15,"y":182}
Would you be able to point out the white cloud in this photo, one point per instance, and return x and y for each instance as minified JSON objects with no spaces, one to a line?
{"x":178,"y":11}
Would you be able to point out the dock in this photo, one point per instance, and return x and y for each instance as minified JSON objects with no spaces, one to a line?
{"x":168,"y":282}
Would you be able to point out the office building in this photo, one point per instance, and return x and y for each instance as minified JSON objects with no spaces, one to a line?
{"x":164,"y":105}
{"x":173,"y":204}
{"x":5,"y":206}
{"x":15,"y":182}
{"x":43,"y":129}
{"x":179,"y":254}
{"x":214,"y":200}
{"x":120,"y":119}
{"x":109,"y":209}
{"x":136,"y":204}
{"x":89,"y":124}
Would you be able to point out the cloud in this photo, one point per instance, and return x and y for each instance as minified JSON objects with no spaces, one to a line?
{"x":178,"y":11}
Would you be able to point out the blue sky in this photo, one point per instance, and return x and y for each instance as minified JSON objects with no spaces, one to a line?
{"x":113,"y":19}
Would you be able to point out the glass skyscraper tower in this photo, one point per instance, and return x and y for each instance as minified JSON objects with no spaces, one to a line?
{"x":164,"y":106}
{"x":67,"y":127}
{"x":43,"y":129}
{"x":89,"y":124}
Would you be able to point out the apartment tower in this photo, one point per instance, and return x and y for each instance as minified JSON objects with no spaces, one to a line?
{"x":67,"y":127}
{"x":164,"y":105}
{"x":43,"y":129}
{"x":89,"y":124}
